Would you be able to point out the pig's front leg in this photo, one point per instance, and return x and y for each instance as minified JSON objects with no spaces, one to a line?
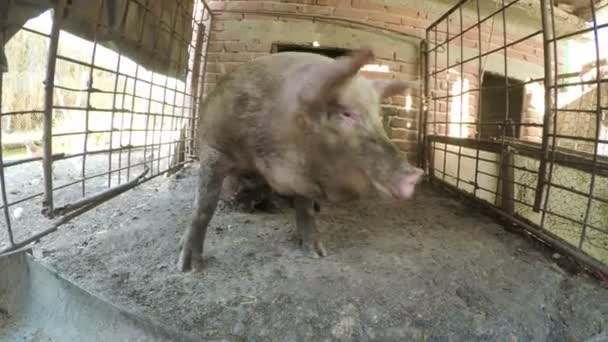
{"x":212,"y":174}
{"x":306,"y":227}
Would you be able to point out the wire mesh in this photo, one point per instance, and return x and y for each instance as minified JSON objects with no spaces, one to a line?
{"x":81,"y":121}
{"x":515,"y":117}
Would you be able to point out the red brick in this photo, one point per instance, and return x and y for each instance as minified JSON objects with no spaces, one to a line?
{"x":384,"y":54}
{"x":255,"y":16}
{"x":282,"y":7}
{"x":315,"y":10}
{"x":217,"y":5}
{"x":212,"y":56}
{"x":213,"y":68}
{"x":215,"y":47}
{"x":235,"y":46}
{"x":228,"y":16}
{"x":230,"y":66}
{"x":350,"y":13}
{"x":402,"y":144}
{"x":241,"y":57}
{"x":377,"y":75}
{"x":243,"y":6}
{"x":385,"y":17}
{"x":368,"y":5}
{"x":258,"y":47}
{"x":403,"y":11}
{"x":226,"y":57}
{"x":225,"y":35}
{"x":344,"y":3}
{"x":303,"y":2}
{"x":398,"y":122}
{"x":398,"y":100}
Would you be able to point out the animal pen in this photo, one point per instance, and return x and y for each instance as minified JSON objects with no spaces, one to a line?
{"x":91,"y":118}
{"x":97,"y":99}
{"x":533,"y":144}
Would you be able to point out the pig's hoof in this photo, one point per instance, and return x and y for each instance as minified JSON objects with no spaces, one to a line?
{"x":189,"y":260}
{"x":314,"y":248}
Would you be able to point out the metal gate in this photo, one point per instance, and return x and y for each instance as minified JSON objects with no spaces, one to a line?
{"x":516,"y":117}
{"x":95,"y":98}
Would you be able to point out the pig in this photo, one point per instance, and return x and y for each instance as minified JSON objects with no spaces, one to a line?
{"x":310,"y":127}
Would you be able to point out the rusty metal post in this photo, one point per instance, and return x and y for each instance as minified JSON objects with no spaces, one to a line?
{"x":47,"y":134}
{"x":7,"y":216}
{"x":548,"y":83}
{"x":423,"y":110}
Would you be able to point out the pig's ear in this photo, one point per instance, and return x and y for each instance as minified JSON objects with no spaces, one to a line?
{"x":388,"y":88}
{"x":324,"y":80}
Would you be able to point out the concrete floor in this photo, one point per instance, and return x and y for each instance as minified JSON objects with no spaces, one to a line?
{"x":430,"y":269}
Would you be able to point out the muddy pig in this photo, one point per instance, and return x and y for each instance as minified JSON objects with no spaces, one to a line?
{"x":309,"y":126}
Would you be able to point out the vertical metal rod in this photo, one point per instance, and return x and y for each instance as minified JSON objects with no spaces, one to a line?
{"x":140,"y":44}
{"x":88,"y":108}
{"x":447,"y":107}
{"x":122,"y":128}
{"x":424,"y":110}
{"x":131,"y":117}
{"x":479,"y":109}
{"x":114,"y":109}
{"x":150,"y":95}
{"x":7,"y":216}
{"x":462,"y":95}
{"x":598,"y":123}
{"x":47,"y":133}
{"x":548,"y":82}
{"x":170,"y":60}
{"x":435,"y":110}
{"x":504,"y":154}
{"x":552,"y":104}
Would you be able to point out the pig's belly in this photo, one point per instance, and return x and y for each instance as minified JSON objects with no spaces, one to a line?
{"x":289,"y":181}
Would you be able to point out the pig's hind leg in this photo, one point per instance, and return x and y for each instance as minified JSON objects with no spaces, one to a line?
{"x":306,"y":227}
{"x":212,"y":173}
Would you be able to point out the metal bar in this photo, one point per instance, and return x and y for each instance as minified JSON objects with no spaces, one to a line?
{"x":53,"y":228}
{"x":555,"y":120}
{"x":162,"y":118}
{"x":423,"y":106}
{"x":478,"y":24}
{"x":581,"y":31}
{"x":547,"y":33}
{"x":88,"y":99}
{"x":155,"y":52}
{"x":598,"y":123}
{"x":479,"y":99}
{"x":539,"y":233}
{"x":5,"y":204}
{"x":101,"y":196}
{"x":447,"y":14}
{"x":489,"y":52}
{"x":47,"y":135}
{"x":572,"y":160}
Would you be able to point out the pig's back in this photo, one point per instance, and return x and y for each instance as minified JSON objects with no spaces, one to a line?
{"x":251,"y":106}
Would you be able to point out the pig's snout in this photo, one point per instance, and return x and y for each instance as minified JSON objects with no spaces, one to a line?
{"x":407,"y":184}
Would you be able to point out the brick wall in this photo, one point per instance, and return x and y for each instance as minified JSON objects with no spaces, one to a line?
{"x":243,"y":30}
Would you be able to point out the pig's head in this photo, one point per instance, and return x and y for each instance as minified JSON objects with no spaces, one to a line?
{"x":353,"y":152}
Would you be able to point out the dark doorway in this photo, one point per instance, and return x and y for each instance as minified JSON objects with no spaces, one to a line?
{"x":494,"y":106}
{"x":325,"y":51}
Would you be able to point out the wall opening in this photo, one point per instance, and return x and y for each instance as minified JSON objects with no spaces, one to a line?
{"x":330,"y":52}
{"x":494,"y":106}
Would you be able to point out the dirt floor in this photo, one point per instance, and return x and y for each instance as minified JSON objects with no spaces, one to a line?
{"x":429,"y":269}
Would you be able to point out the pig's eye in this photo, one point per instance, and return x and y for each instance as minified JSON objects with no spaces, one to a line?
{"x":348,"y":115}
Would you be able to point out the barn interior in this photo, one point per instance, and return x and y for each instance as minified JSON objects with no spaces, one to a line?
{"x":505,"y":239}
